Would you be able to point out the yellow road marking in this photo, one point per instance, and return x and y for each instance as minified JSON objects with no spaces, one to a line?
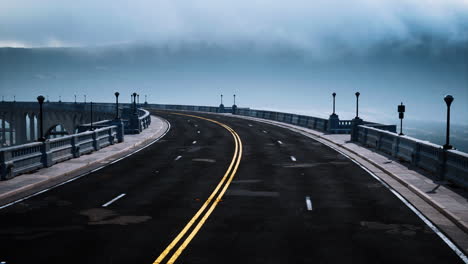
{"x":235,"y":160}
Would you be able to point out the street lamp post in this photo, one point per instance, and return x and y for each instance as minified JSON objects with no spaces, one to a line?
{"x":401,"y":115}
{"x":146,"y":101}
{"x":85,"y":98}
{"x":75,"y":98}
{"x":334,"y":95}
{"x":134,"y":102}
{"x":234,"y":106}
{"x":448,"y":100}
{"x":357,"y":104}
{"x":116,"y":105}
{"x":91,"y":116}
{"x":40,"y":99}
{"x":138,"y":101}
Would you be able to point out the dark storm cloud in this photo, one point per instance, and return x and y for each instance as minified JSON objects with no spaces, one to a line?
{"x":318,"y":27}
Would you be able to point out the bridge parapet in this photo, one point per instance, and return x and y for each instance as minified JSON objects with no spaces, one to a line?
{"x":135,"y":122}
{"x":451,"y":165}
{"x":29,"y":157}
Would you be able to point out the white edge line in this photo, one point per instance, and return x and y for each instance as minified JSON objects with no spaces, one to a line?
{"x":428,"y":222}
{"x":113,"y":200}
{"x":89,"y":172}
{"x":308,"y":203}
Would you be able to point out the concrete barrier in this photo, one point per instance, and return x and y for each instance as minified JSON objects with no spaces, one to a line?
{"x":451,"y":165}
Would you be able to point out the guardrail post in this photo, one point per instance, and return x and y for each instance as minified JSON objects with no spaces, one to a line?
{"x":355,"y":128}
{"x":6,"y":166}
{"x":95,"y":140}
{"x":46,"y":154}
{"x":442,"y":159}
{"x":378,"y":144}
{"x":111,"y":137}
{"x":415,"y":154}
{"x":395,"y":144}
{"x":333,"y":123}
{"x":120,"y":128}
{"x":75,"y":147}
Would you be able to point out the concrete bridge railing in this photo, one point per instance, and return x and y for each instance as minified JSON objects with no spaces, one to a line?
{"x":332,"y":125}
{"x":136,"y":122}
{"x":451,"y":165}
{"x":24,"y":158}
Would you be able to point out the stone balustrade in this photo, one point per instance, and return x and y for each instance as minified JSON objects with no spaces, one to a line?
{"x":451,"y":165}
{"x":24,"y":158}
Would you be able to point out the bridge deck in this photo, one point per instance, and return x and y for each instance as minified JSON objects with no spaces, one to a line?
{"x":293,"y":200}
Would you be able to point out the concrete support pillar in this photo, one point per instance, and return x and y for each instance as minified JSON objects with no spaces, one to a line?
{"x":3,"y":131}
{"x":20,"y":128}
{"x":31,"y":127}
{"x":12,"y":131}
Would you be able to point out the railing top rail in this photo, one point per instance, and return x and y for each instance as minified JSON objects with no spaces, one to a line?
{"x":459,"y":153}
{"x":17,"y":147}
{"x":96,"y":123}
{"x":146,"y":113}
{"x":423,"y":142}
{"x":61,"y":138}
{"x":105,"y":128}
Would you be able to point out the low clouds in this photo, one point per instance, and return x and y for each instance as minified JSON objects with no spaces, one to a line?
{"x":318,"y":27}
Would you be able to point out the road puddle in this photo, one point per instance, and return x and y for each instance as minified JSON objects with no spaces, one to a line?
{"x":101,"y":216}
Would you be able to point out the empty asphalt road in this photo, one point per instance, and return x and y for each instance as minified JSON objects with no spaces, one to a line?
{"x":223,"y":190}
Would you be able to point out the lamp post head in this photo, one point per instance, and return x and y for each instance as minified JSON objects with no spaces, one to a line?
{"x":357,"y":94}
{"x":40,"y":99}
{"x":334,"y":94}
{"x":448,"y":100}
{"x":117,"y":94}
{"x":135,"y":94}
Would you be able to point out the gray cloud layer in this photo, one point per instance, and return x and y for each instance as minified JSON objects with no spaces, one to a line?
{"x":320,"y":26}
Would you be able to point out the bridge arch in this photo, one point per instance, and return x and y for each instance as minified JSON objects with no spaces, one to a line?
{"x":55,"y":131}
{"x":7,"y":132}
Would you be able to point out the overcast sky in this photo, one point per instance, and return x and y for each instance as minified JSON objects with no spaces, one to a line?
{"x":361,"y":37}
{"x":315,"y":26}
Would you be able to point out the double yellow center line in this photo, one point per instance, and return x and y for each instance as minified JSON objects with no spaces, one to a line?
{"x":210,"y":204}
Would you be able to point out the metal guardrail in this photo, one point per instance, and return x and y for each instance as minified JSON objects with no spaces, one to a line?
{"x":29,"y":157}
{"x":451,"y":165}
